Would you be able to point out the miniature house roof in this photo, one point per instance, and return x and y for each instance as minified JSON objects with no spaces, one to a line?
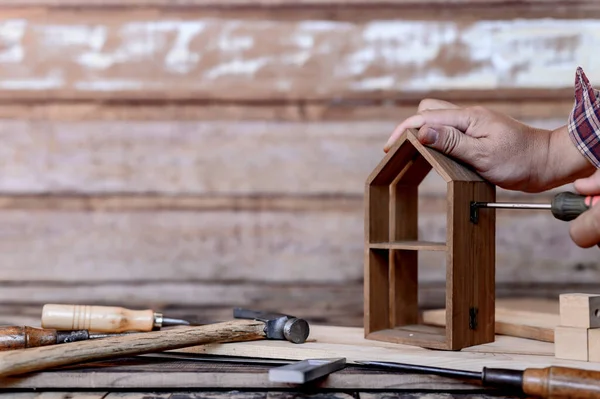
{"x":409,"y":162}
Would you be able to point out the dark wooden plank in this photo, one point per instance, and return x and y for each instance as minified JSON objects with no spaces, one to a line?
{"x":471,"y":280}
{"x":429,"y":395}
{"x":151,"y":374}
{"x":376,"y":290}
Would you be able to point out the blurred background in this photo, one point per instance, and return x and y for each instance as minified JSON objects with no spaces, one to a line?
{"x":196,"y":155}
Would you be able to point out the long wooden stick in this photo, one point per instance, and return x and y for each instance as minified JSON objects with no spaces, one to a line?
{"x":41,"y":358}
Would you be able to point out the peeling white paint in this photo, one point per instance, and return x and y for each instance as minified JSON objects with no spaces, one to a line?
{"x":47,"y":83}
{"x":519,"y":53}
{"x":391,"y":55}
{"x":111,"y":85}
{"x":11,"y":35}
{"x":144,"y":40}
{"x":371,"y":84}
{"x":61,"y":36}
{"x":324,"y":26}
{"x":297,"y":59}
{"x":179,"y":58}
{"x":237,"y":67}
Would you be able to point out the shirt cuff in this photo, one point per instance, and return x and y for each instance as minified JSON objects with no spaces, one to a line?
{"x":584,"y":120}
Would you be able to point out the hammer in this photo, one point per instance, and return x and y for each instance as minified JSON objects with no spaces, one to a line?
{"x":257,"y":325}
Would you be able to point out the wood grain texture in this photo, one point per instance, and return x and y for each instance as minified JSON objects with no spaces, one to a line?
{"x":322,"y":3}
{"x":141,"y":54}
{"x":548,"y":112}
{"x":201,"y":157}
{"x":509,"y":352}
{"x":404,"y":292}
{"x":392,"y":196}
{"x":511,"y":320}
{"x":470,"y":273}
{"x":566,"y":382}
{"x":241,"y":394}
{"x":579,"y":310}
{"x":335,"y":304}
{"x":36,"y":359}
{"x":207,"y":245}
{"x":571,"y":343}
{"x":376,"y":290}
{"x":204,"y":374}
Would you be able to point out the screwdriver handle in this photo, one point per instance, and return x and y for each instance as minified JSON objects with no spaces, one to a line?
{"x":568,"y":206}
{"x":561,"y":382}
{"x":109,"y":319}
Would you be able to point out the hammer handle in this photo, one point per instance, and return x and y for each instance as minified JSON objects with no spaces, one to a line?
{"x":45,"y":357}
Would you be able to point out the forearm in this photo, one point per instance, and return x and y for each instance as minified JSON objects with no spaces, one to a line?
{"x":563,"y":162}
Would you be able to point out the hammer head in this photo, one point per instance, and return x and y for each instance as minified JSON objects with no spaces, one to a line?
{"x":277,"y":326}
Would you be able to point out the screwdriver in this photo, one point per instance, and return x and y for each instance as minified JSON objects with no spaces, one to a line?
{"x":564,"y":206}
{"x":549,"y":383}
{"x":108,"y":319}
{"x":17,"y":337}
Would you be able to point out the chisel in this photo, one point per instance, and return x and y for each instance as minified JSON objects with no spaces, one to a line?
{"x":549,"y":383}
{"x":21,"y":337}
{"x":564,"y":206}
{"x":107,"y":319}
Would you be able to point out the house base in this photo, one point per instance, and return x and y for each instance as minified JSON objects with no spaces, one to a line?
{"x":429,"y":337}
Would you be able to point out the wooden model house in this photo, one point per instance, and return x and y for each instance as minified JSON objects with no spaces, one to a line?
{"x":392,"y":244}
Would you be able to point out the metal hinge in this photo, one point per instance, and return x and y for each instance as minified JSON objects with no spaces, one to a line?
{"x":473,"y":318}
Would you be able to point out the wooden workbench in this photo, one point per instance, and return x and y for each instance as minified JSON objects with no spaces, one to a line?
{"x":217,"y":370}
{"x":146,"y":377}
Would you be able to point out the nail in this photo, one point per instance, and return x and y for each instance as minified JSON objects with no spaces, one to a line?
{"x":431,"y":136}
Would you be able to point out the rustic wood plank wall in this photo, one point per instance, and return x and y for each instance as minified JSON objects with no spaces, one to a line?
{"x":196,"y":155}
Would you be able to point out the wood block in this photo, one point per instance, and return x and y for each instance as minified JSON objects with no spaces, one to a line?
{"x":580,"y":310}
{"x":594,"y":345}
{"x":571,"y":343}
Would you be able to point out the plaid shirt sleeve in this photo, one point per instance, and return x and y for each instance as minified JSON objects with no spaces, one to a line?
{"x":584,"y":120}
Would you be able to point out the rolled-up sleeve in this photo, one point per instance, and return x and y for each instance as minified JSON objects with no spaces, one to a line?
{"x":584,"y":120}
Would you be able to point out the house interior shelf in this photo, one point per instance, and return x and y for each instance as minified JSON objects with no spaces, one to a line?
{"x":410,"y":245}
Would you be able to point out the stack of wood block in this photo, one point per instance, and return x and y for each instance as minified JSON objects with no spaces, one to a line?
{"x":578,"y":335}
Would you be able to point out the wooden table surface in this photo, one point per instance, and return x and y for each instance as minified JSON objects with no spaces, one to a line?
{"x":151,"y":377}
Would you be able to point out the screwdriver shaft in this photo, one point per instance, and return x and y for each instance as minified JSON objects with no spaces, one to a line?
{"x":511,"y":205}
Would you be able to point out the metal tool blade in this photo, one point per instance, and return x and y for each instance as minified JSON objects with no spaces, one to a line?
{"x":306,"y":370}
{"x":423,"y":369}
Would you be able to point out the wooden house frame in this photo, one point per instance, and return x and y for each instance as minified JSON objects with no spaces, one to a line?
{"x":391,"y":311}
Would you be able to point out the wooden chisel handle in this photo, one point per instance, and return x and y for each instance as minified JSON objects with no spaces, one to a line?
{"x":561,"y":382}
{"x":109,"y":319}
{"x":17,"y":337}
{"x":35,"y":359}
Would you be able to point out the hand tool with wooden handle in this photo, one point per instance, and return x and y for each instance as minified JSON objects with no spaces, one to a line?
{"x":35,"y":359}
{"x":263,"y":326}
{"x":549,"y":383}
{"x":108,"y":319}
{"x":20,"y":337}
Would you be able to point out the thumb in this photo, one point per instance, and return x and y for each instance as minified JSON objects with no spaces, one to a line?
{"x":589,"y":185}
{"x":449,"y":141}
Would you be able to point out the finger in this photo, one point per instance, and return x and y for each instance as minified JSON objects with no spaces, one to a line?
{"x":585,"y":230}
{"x":449,"y":141}
{"x":414,"y":122}
{"x":430,"y":103}
{"x":456,"y":118}
{"x":589,"y":185}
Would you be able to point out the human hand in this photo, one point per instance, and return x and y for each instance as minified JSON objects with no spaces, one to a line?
{"x":506,"y":152}
{"x":585,"y":230}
